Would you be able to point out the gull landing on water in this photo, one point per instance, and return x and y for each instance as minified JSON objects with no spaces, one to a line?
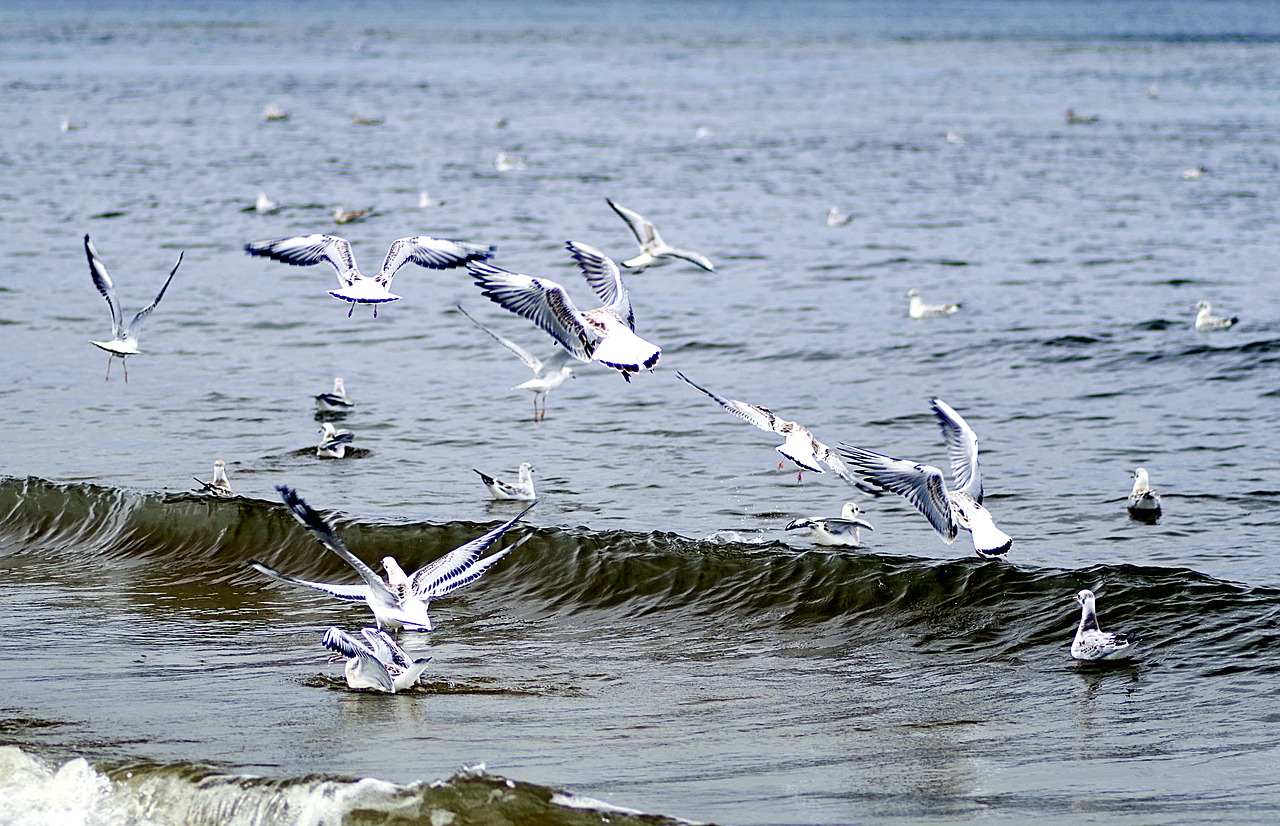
{"x":918,"y":309}
{"x":357,"y":288}
{"x":844,"y":531}
{"x":124,"y":339}
{"x":923,"y":486}
{"x":219,"y":486}
{"x":1206,"y":320}
{"x":506,"y":490}
{"x":401,"y":600}
{"x":547,"y":375}
{"x":378,"y":662}
{"x":606,"y":334}
{"x":651,"y":244}
{"x":1091,"y":642}
{"x":336,"y":402}
{"x":333,"y":442}
{"x":805,"y":451}
{"x":1144,"y":503}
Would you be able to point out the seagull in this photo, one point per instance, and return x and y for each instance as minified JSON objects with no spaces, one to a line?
{"x":1144,"y":503}
{"x":378,"y":662}
{"x":67,"y":126}
{"x":265,"y":205}
{"x":349,"y":216}
{"x":923,"y":485}
{"x":400,"y":600}
{"x":800,"y":446}
{"x":955,"y":137}
{"x":219,"y":486}
{"x":506,"y":162}
{"x":1206,"y":320}
{"x":836,"y":218}
{"x":1073,"y":118}
{"x":506,"y":490}
{"x":273,"y":112}
{"x":357,"y":120}
{"x":547,"y":375}
{"x":1091,"y":642}
{"x":651,"y":244}
{"x":124,"y":340}
{"x":336,"y":402}
{"x":333,"y":444}
{"x":1195,"y":173}
{"x":843,"y":531}
{"x":357,"y":288}
{"x":919,"y":309}
{"x":605,"y":334}
{"x":425,"y":201}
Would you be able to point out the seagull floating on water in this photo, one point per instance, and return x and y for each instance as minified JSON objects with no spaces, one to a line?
{"x":273,"y":112}
{"x":923,"y":486}
{"x":378,"y":662}
{"x":425,"y":201}
{"x":651,"y":244}
{"x":506,"y":162}
{"x":350,"y":216}
{"x":264,"y":205}
{"x":357,"y":288}
{"x":606,"y":334}
{"x":843,"y":531}
{"x":337,"y":401}
{"x":401,"y":600}
{"x":1091,"y":642}
{"x":1195,"y":173}
{"x":547,"y":375}
{"x":506,"y":490}
{"x":801,"y":447}
{"x":836,"y":218}
{"x":219,"y":486}
{"x":333,"y":442}
{"x":1206,"y":320}
{"x":124,"y":339}
{"x":955,"y":137}
{"x":1144,"y":503}
{"x":918,"y":309}
{"x":1075,"y":119}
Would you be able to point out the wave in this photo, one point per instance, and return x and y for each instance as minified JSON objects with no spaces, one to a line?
{"x":79,"y":792}
{"x":981,"y":608}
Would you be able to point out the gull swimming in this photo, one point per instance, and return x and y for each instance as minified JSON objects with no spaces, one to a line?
{"x":219,"y":486}
{"x":847,"y":530}
{"x":333,"y":442}
{"x":923,"y":486}
{"x":337,"y":401}
{"x":1206,"y":320}
{"x":378,"y":662}
{"x":273,"y":112}
{"x":651,"y":244}
{"x":918,"y":309}
{"x":547,"y":375}
{"x":350,"y":216}
{"x":1091,"y":642}
{"x":265,"y":205}
{"x":1073,"y":118}
{"x":506,"y":162}
{"x":606,"y":334}
{"x":124,"y":339}
{"x":425,"y":201}
{"x":507,"y":490}
{"x":1144,"y":503}
{"x":357,"y":288}
{"x":400,"y":600}
{"x":836,"y":218}
{"x":801,"y":447}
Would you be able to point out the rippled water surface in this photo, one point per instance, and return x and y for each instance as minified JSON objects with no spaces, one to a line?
{"x":660,"y":643}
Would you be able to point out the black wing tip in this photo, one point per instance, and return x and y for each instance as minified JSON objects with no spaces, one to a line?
{"x":987,"y":553}
{"x":484,"y":477}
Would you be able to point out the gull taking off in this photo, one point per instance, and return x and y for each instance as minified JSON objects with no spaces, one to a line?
{"x":918,"y":309}
{"x":357,"y":288}
{"x":333,"y":442}
{"x":606,"y":334}
{"x":1144,"y":503}
{"x":219,"y":486}
{"x":1091,"y":642}
{"x":377,"y":662}
{"x":506,"y":490}
{"x":1206,"y":320}
{"x":400,"y":600}
{"x":843,"y":531}
{"x":651,"y":244}
{"x":547,"y":375}
{"x":336,"y":402}
{"x":124,"y":339}
{"x":800,"y":446}
{"x":923,"y":486}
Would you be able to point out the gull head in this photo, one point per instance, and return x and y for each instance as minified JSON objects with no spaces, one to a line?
{"x":328,"y":430}
{"x":913,"y":293}
{"x":1085,"y":598}
{"x":851,"y":511}
{"x":1202,"y":306}
{"x":338,"y":389}
{"x":1141,"y":479}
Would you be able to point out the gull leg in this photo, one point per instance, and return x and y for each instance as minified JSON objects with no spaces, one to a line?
{"x":109,"y":360}
{"x":799,"y":477}
{"x":375,"y":310}
{"x":352,"y":310}
{"x":124,"y":365}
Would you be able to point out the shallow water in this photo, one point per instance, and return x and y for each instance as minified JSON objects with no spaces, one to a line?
{"x":661,"y":643}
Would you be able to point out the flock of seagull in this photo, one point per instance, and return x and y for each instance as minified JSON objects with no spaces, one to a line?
{"x":605,"y":335}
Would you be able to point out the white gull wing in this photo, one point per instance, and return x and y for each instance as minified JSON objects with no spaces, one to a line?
{"x":962,"y":450}
{"x":531,"y":361}
{"x":363,"y":670}
{"x":605,"y":279}
{"x":305,"y":250}
{"x":102,"y":281}
{"x":335,"y":639}
{"x":988,"y":540}
{"x":350,"y":593}
{"x":136,"y":324}
{"x":799,"y":444}
{"x":640,"y":226}
{"x":540,"y":300}
{"x":921,"y":485}
{"x":432,"y":253}
{"x":385,"y":648}
{"x":457,"y":568}
{"x":690,"y":256}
